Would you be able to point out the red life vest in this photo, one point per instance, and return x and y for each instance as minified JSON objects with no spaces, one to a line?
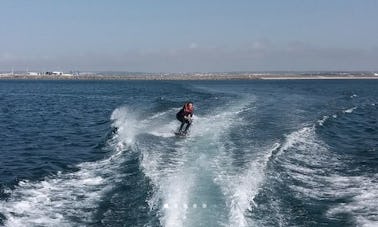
{"x":186,"y":111}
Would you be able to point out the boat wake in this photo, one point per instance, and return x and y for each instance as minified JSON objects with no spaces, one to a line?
{"x":214,"y":177}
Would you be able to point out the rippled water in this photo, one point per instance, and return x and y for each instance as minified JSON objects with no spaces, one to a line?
{"x":260,"y":153}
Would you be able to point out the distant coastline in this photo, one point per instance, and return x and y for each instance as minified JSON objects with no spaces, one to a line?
{"x":195,"y":76}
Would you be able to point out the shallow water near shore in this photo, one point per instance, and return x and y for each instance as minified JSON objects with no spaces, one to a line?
{"x":259,"y":153}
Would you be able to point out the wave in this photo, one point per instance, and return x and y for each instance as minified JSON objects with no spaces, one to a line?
{"x":325,"y":118}
{"x":60,"y":199}
{"x":317,"y":175}
{"x":68,"y":198}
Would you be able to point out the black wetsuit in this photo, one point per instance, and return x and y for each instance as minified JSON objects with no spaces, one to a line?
{"x":181,"y":117}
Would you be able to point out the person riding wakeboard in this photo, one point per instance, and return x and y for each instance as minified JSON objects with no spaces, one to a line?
{"x":185,"y":117}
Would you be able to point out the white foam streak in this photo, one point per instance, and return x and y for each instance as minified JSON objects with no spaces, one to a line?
{"x":179,"y":187}
{"x":243,"y":188}
{"x":297,"y":138}
{"x":362,"y":192}
{"x":323,"y":120}
{"x":312,"y":164}
{"x":127,"y":125}
{"x":350,"y":110}
{"x":171,"y":184}
{"x":53,"y":201}
{"x":59,"y":200}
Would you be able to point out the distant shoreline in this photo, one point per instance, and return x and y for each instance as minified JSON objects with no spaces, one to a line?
{"x":212,"y":76}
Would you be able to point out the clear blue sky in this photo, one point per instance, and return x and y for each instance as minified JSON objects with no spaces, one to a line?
{"x":184,"y":36}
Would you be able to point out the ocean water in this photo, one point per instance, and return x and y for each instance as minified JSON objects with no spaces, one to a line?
{"x":259,"y":153}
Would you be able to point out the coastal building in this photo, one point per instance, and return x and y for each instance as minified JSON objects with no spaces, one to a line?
{"x":57,"y":73}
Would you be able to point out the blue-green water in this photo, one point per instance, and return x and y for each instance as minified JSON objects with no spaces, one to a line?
{"x":259,"y":153}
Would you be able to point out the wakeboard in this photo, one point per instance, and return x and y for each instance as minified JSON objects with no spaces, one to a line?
{"x":180,"y":134}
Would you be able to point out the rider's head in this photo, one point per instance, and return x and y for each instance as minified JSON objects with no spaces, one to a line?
{"x":189,"y":105}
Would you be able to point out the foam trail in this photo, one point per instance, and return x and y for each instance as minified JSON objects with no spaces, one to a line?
{"x":170,"y":179}
{"x":363,"y":194}
{"x":298,"y":139}
{"x":64,"y":199}
{"x":238,"y":187}
{"x":176,"y":202}
{"x":171,"y":183}
{"x":56,"y":201}
{"x":313,"y":165}
{"x":179,"y":189}
{"x":165,"y":175}
{"x":242,"y":188}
